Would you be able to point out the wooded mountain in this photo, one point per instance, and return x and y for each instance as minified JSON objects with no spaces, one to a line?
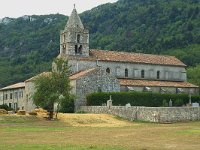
{"x":28,"y":44}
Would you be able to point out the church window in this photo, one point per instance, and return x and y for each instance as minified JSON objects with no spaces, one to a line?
{"x":78,"y":38}
{"x":142,"y":74}
{"x":126,"y":72}
{"x":158,"y":74}
{"x":108,"y":70}
{"x":76,"y":49}
{"x":80,"y":49}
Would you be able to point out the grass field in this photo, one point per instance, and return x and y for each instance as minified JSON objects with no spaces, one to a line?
{"x":95,"y":132}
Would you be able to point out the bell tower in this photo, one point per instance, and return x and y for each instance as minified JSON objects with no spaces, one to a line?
{"x":74,"y":39}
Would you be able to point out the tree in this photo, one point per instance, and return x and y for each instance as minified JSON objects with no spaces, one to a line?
{"x":194,"y":75}
{"x":49,"y":87}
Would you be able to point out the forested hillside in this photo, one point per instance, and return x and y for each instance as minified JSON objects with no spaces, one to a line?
{"x":28,"y":44}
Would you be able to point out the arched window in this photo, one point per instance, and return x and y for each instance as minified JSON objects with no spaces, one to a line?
{"x":158,"y":74}
{"x":108,"y":70}
{"x":142,"y":74}
{"x":80,"y":49}
{"x":126,"y":72}
{"x":78,"y":38}
{"x":76,"y":49}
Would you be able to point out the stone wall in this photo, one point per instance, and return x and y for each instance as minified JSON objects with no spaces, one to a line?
{"x":29,"y":90}
{"x":97,"y":80}
{"x":150,"y":114}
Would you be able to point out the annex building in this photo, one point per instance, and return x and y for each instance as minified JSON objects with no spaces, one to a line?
{"x":107,"y":71}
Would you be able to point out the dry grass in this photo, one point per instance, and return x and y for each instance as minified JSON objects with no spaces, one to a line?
{"x":21,"y":112}
{"x":92,"y":120}
{"x":103,"y":132}
{"x":3,"y":112}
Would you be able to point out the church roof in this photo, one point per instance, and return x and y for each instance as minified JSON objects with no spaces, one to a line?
{"x":81,"y":74}
{"x":74,"y":20}
{"x":115,"y":56}
{"x":151,"y":83}
{"x":41,"y":74}
{"x":14,"y":86}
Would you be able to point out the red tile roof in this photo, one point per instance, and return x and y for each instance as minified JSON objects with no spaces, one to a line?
{"x":150,"y":83}
{"x":81,"y":74}
{"x":14,"y":86}
{"x":41,"y":74}
{"x":105,"y":55}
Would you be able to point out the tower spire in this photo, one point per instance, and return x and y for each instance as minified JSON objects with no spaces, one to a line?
{"x":74,"y":39}
{"x":74,"y":20}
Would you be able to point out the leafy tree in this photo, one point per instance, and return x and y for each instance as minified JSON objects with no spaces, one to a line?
{"x":194,"y":75}
{"x":53,"y":87}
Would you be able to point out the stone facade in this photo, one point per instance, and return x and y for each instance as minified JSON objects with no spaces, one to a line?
{"x":150,"y":114}
{"x":93,"y":81}
{"x":172,"y":73}
{"x":29,"y":90}
{"x":13,"y":96}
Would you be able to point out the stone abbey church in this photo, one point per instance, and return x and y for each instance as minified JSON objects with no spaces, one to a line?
{"x":104,"y":71}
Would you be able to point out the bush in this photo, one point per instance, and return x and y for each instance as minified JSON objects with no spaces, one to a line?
{"x":165,"y":104}
{"x":5,"y":107}
{"x":195,"y":99}
{"x":67,"y":106}
{"x":139,"y":99}
{"x":178,"y":102}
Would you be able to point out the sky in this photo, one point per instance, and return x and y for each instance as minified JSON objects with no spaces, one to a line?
{"x":18,"y":8}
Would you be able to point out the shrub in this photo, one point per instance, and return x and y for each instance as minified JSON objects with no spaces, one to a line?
{"x":165,"y":104}
{"x":5,"y":107}
{"x":178,"y":102}
{"x":195,"y":99}
{"x":138,"y":99}
{"x":67,"y":106}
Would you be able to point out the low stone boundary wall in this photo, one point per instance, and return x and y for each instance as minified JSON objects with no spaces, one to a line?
{"x":150,"y":114}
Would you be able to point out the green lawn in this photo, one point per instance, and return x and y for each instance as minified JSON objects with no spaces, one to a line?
{"x":32,"y":133}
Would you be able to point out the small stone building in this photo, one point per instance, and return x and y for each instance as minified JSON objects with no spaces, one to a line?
{"x":13,"y":96}
{"x":90,"y":81}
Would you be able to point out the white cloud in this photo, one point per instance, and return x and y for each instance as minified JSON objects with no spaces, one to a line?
{"x":17,"y":8}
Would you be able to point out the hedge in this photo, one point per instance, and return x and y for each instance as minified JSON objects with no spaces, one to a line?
{"x":139,"y":99}
{"x":6,"y":107}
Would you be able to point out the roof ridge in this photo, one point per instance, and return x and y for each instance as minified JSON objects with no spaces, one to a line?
{"x":131,"y":52}
{"x":13,"y":86}
{"x":141,"y":82}
{"x":81,"y":73}
{"x":133,"y":57}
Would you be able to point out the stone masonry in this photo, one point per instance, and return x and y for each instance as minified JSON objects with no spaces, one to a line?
{"x":150,"y":114}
